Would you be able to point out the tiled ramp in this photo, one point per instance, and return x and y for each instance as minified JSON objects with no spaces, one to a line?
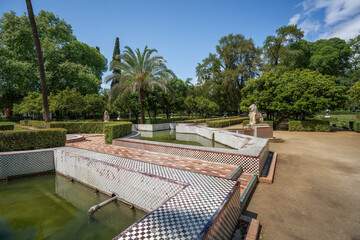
{"x":97,"y":143}
{"x":207,"y":208}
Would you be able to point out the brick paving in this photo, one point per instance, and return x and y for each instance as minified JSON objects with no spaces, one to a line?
{"x":96,"y":143}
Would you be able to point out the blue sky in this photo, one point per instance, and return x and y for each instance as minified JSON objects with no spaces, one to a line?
{"x":185,"y":32}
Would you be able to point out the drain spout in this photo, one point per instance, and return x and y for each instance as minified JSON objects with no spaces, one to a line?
{"x":94,"y":208}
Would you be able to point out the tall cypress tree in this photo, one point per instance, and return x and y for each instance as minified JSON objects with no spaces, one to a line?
{"x":116,"y":58}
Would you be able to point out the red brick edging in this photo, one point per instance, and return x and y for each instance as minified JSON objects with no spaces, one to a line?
{"x":270,"y":176}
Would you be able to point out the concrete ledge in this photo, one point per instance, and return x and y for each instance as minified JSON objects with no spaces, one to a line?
{"x":271,"y":174}
{"x":249,"y":189}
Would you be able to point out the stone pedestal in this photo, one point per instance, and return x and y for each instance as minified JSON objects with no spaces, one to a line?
{"x":259,"y":130}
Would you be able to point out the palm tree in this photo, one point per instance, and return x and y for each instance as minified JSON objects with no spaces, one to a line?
{"x":140,"y":72}
{"x":40,"y":61}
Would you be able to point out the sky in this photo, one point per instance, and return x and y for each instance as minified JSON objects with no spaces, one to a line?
{"x":185,"y":32}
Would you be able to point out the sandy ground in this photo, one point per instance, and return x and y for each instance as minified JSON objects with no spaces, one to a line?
{"x":316,"y":189}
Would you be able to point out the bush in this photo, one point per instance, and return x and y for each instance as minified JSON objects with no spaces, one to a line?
{"x":32,"y":139}
{"x":310,"y":125}
{"x":116,"y":130}
{"x":34,"y":123}
{"x":80,"y":127}
{"x":357,"y":126}
{"x":271,"y":123}
{"x":6,"y":126}
{"x":226,"y":122}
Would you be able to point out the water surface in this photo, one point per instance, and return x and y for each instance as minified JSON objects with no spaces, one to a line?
{"x":170,"y":136}
{"x":53,"y":207}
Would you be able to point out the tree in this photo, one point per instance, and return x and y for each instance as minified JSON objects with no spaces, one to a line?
{"x":67,"y":62}
{"x":354,"y":93}
{"x":31,"y":104}
{"x":276,"y":47}
{"x":39,"y":60}
{"x":330,"y":56}
{"x":298,"y":93}
{"x":95,"y":104}
{"x":67,"y":102}
{"x":140,"y":72}
{"x":190,"y":104}
{"x":130,"y":103}
{"x":116,"y":58}
{"x":223,"y":75}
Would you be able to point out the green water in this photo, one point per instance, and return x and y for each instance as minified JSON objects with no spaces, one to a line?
{"x":171,"y":136}
{"x":53,"y":207}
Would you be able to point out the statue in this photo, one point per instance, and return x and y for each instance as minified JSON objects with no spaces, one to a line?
{"x":118,"y":117}
{"x":106,"y":116}
{"x":255,"y":116}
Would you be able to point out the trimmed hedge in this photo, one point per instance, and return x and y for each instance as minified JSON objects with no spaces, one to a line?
{"x":226,"y":122}
{"x":271,"y":123}
{"x":80,"y":127}
{"x":116,"y":130}
{"x":357,"y":126}
{"x":310,"y":125}
{"x":32,"y":139}
{"x":4,"y":126}
{"x":34,"y":123}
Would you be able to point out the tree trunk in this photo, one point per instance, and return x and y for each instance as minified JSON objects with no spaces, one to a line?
{"x":39,"y":59}
{"x":142,"y":105}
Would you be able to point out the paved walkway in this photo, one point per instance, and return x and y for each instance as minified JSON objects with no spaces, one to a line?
{"x":316,"y":189}
{"x":96,"y":142}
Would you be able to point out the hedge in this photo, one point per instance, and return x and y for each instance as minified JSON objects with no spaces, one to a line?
{"x":116,"y":130}
{"x":357,"y":126}
{"x":32,"y":139}
{"x":4,"y":126}
{"x":271,"y":123}
{"x":80,"y":127}
{"x":226,"y":122}
{"x":34,"y":123}
{"x":310,"y":125}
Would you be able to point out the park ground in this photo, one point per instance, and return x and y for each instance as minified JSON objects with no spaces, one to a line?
{"x":316,"y":189}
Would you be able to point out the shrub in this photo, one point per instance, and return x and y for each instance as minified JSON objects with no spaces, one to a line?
{"x":226,"y":122}
{"x":357,"y":126}
{"x":6,"y":126}
{"x":34,"y":123}
{"x":271,"y":123}
{"x":116,"y":130}
{"x":80,"y":127}
{"x":310,"y":125}
{"x":32,"y":139}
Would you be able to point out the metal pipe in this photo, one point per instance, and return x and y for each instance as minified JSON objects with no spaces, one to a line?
{"x":94,"y":208}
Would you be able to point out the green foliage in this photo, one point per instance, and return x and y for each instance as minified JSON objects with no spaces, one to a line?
{"x":67,"y":101}
{"x":223,"y":75}
{"x":354,"y":93}
{"x":32,"y":103}
{"x":80,"y":127}
{"x":31,"y":139}
{"x":276,"y":48}
{"x":226,"y":122}
{"x":116,"y":130}
{"x":68,"y":62}
{"x":330,"y":56}
{"x":95,"y":104}
{"x":271,"y":123}
{"x":310,"y":125}
{"x":6,"y":126}
{"x":299,"y":92}
{"x":140,"y":72}
{"x":357,"y":126}
{"x":34,"y":123}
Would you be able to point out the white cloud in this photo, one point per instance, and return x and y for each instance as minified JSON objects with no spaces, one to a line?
{"x":345,"y":30}
{"x":341,"y":18}
{"x":294,"y":19}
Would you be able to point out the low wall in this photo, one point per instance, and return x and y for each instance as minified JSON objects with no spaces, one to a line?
{"x":21,"y":163}
{"x":143,"y":190}
{"x":226,"y":220}
{"x":154,"y":127}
